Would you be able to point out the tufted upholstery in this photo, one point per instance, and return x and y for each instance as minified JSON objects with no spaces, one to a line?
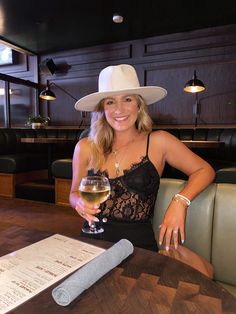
{"x":219,"y":158}
{"x":210,"y":226}
{"x":20,"y":162}
{"x":19,"y":157}
{"x":223,"y":159}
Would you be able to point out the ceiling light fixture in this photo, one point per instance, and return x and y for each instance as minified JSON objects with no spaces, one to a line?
{"x":117,"y":18}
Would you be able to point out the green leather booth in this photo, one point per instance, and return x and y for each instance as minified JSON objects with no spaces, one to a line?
{"x":21,"y":162}
{"x":210,"y":226}
{"x":222,"y":159}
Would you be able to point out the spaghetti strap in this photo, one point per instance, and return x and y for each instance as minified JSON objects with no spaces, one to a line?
{"x":148,"y":137}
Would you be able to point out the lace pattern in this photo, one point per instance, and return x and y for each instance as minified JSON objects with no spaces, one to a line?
{"x":133,"y":195}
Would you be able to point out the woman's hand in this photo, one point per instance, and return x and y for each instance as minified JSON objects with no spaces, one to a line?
{"x":87,"y":211}
{"x":173,"y":224}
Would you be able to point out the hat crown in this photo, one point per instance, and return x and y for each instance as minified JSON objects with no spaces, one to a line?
{"x":119,"y":80}
{"x":118,"y":77}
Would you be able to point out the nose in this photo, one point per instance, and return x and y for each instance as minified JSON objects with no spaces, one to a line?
{"x":118,"y":106}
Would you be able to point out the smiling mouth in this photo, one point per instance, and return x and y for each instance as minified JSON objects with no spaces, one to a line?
{"x":120,"y":119}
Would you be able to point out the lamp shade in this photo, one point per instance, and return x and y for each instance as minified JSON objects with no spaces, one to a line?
{"x":47,"y":94}
{"x":194,"y":85}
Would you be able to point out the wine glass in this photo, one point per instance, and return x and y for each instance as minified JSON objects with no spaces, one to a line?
{"x":94,"y":190}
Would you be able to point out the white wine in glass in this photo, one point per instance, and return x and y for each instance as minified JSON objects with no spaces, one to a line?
{"x":94,"y":190}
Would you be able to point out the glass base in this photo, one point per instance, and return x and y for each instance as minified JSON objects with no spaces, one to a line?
{"x":93,"y":229}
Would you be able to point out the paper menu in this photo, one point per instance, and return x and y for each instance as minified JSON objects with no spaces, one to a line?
{"x":30,"y":270}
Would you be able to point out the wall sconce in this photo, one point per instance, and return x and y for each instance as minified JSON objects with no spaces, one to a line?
{"x":47,"y":94}
{"x":195,"y":86}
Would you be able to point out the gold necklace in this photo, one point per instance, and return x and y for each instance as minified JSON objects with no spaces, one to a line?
{"x":118,"y":162}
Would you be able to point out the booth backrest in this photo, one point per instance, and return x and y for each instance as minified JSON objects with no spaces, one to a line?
{"x":210,"y":224}
{"x":227,"y":152}
{"x":224,"y":233}
{"x":10,"y":140}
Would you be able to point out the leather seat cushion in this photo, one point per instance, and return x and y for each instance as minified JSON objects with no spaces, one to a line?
{"x":226,"y":175}
{"x":22,"y":162}
{"x":62,"y":168}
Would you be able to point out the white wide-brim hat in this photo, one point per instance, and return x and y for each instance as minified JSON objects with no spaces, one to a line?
{"x":119,"y":79}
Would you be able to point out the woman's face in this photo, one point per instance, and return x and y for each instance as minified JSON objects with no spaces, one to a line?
{"x":121,"y":111}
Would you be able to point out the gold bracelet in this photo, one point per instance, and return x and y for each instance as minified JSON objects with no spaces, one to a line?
{"x":182,"y":199}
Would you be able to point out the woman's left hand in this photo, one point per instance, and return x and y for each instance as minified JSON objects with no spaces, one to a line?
{"x":173,"y":224}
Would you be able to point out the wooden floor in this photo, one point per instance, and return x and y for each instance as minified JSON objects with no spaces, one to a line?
{"x":17,"y":215}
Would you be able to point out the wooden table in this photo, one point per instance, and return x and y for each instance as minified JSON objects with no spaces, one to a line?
{"x":202,"y":144}
{"x":50,"y":141}
{"x":145,"y":283}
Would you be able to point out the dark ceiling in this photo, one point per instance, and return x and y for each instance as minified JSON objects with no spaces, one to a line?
{"x":43,"y":26}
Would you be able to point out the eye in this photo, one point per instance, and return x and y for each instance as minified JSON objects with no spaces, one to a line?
{"x":108,"y":102}
{"x":128,"y":99}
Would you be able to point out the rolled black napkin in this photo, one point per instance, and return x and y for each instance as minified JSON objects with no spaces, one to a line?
{"x":87,"y":275}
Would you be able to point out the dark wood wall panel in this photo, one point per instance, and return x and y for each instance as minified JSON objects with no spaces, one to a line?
{"x":217,"y":103}
{"x":168,"y":61}
{"x":62,"y":109}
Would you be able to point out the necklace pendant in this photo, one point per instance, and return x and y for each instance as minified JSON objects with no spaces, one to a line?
{"x":117,"y":166}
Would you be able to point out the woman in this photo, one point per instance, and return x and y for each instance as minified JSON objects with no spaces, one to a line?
{"x":122,"y":146}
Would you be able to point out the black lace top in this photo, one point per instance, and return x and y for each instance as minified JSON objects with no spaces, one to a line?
{"x":133,"y":195}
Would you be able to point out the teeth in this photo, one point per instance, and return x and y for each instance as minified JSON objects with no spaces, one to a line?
{"x":120,"y":118}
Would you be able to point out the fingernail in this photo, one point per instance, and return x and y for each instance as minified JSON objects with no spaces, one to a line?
{"x":96,"y":219}
{"x":96,"y":206}
{"x":167,"y":248}
{"x":98,"y":211}
{"x":182,"y":241}
{"x":159,"y":226}
{"x":160,"y":243}
{"x":176,"y":246}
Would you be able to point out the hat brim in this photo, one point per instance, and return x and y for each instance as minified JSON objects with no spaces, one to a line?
{"x":150,"y":94}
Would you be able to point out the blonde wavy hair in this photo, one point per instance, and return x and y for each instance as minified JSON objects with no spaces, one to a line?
{"x":101,"y":134}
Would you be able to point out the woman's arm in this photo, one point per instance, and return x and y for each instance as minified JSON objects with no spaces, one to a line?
{"x":79,"y":170}
{"x":200,"y":174}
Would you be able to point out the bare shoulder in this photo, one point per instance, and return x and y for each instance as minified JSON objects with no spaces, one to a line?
{"x":161,"y":136}
{"x":84,"y":143}
{"x":83,"y":147}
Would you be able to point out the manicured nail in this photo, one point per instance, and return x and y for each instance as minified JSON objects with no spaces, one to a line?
{"x":182,"y":241}
{"x":159,"y":226}
{"x":167,"y":248}
{"x":176,"y":246}
{"x":160,"y":243}
{"x":96,"y":219}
